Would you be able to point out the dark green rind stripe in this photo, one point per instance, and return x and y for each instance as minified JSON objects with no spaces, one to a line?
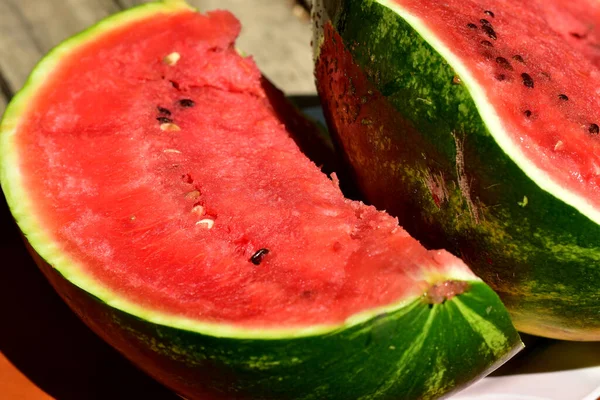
{"x":422,"y":351}
{"x":430,"y":160}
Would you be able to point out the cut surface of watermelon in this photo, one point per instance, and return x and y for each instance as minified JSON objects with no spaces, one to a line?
{"x":166,"y":176}
{"x":156,"y":177}
{"x":536,"y":65}
{"x":476,"y":124}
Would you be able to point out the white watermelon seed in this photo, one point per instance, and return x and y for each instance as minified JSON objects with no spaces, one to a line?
{"x":172,"y":58}
{"x":206,"y":223}
{"x":169,"y":126}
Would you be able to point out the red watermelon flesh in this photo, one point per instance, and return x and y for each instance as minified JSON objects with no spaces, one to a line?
{"x":173,"y":182}
{"x":537,"y":62}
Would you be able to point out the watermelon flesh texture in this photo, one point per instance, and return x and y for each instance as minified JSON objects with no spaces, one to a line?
{"x":200,"y":177}
{"x":476,"y":124}
{"x":542,"y":85}
{"x":155,"y":176}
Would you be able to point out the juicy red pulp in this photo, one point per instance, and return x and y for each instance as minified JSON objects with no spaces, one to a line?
{"x":177,"y":186}
{"x":538,"y":64}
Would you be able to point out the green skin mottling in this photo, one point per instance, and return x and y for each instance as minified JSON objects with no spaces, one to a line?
{"x":541,"y":255}
{"x":414,"y":350}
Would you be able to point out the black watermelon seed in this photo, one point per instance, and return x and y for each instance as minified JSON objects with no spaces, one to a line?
{"x":187,"y":103}
{"x":527,"y":80}
{"x":164,"y":120}
{"x":594,"y":129}
{"x":163,"y":110}
{"x":563,"y":97}
{"x":504,"y":63}
{"x":485,"y":22}
{"x":488,"y":12}
{"x":487,"y":43}
{"x":257,"y":257}
{"x":489,"y":31}
{"x":527,"y":113}
{"x":471,"y":26}
{"x":519,"y":59}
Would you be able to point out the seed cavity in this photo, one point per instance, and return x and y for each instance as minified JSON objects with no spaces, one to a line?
{"x":518,"y":58}
{"x":172,"y":59}
{"x":206,"y":223}
{"x":187,"y":178}
{"x":489,"y":31}
{"x":578,"y":35}
{"x":594,"y":129}
{"x":485,"y":22}
{"x":504,"y":63}
{"x":257,"y":257}
{"x":527,"y":113}
{"x":471,"y":26}
{"x":187,"y":103}
{"x":500,"y":77}
{"x":488,"y":12}
{"x":487,"y":43}
{"x":563,"y":97}
{"x":163,"y":110}
{"x":164,"y":120}
{"x":527,"y":80}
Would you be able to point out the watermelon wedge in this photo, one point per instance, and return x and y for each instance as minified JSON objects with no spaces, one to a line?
{"x":476,"y":123}
{"x":154,"y":174}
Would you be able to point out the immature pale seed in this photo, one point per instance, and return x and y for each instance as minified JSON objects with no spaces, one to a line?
{"x":172,"y":58}
{"x":193,"y":195}
{"x":558,"y":145}
{"x":198,"y":209}
{"x":169,"y":127}
{"x":206,"y":223}
{"x":175,"y":151}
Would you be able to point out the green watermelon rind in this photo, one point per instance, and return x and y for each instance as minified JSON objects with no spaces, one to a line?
{"x":552,"y":235}
{"x":379,"y":350}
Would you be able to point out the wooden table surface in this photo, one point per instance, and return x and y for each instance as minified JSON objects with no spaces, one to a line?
{"x":45,"y":351}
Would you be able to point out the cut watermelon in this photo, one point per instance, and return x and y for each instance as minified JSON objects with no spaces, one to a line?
{"x":476,"y":123}
{"x":150,"y":169}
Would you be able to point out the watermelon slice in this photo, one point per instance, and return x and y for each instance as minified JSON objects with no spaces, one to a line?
{"x":476,"y":123}
{"x":153,"y":172}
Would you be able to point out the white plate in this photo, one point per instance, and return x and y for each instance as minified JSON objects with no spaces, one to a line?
{"x":549,"y":370}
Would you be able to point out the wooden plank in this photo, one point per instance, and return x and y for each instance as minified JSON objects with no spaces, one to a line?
{"x":52,"y":21}
{"x":30,"y":28}
{"x":18,"y":51}
{"x":276,"y":33}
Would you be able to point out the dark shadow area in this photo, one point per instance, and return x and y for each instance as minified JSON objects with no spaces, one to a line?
{"x":44,"y":340}
{"x":548,"y":355}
